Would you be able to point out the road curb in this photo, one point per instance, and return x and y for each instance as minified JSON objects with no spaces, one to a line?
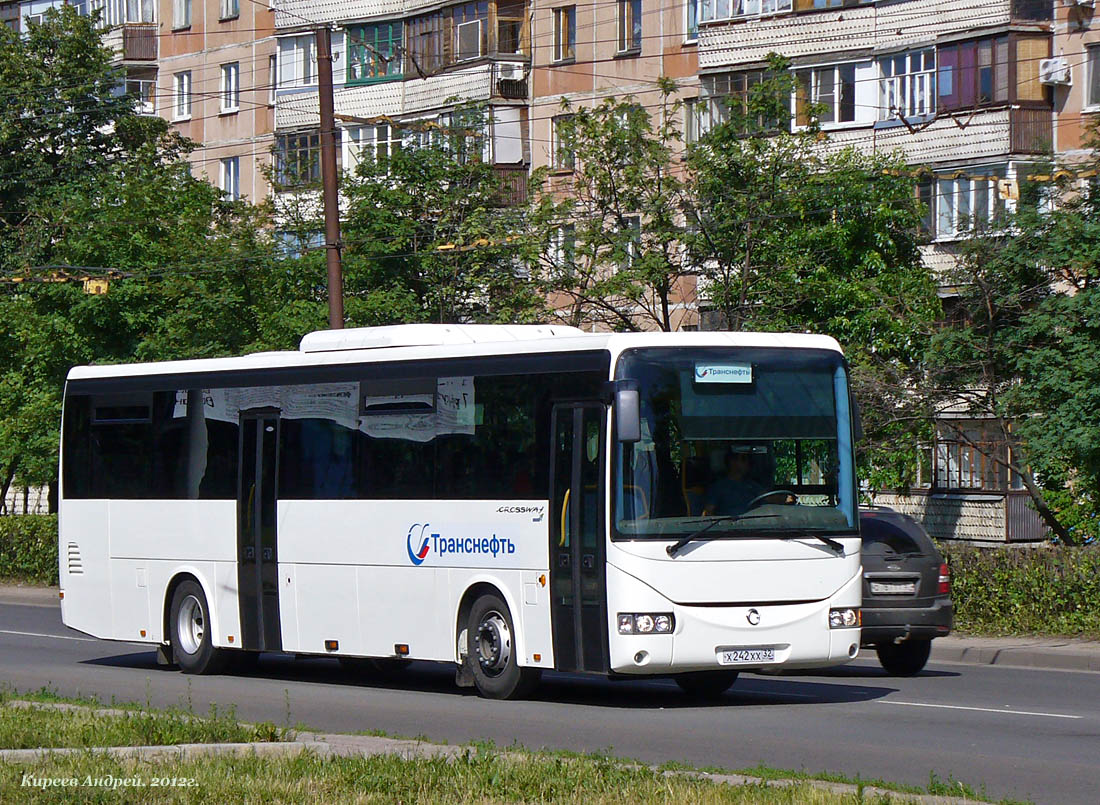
{"x":29,"y":595}
{"x":1039,"y":654}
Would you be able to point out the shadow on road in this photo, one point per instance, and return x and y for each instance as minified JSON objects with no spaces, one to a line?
{"x":559,"y":688}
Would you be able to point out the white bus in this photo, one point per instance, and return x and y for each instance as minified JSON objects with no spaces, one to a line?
{"x":508,"y":499}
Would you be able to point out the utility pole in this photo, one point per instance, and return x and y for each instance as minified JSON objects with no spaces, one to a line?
{"x":329,"y":189}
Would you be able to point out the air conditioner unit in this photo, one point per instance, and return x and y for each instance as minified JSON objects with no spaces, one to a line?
{"x":468,"y":40}
{"x":1054,"y":72}
{"x":510,"y":70}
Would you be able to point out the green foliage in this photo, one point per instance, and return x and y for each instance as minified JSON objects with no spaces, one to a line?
{"x":1048,"y":590}
{"x":616,"y":221}
{"x":428,"y":238}
{"x":28,"y":548}
{"x":43,"y":725}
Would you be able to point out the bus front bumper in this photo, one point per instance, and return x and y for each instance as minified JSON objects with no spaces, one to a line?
{"x":733,"y":637}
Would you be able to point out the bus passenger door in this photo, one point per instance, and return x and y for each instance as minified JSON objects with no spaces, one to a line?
{"x":257,"y":556}
{"x":578,"y":587}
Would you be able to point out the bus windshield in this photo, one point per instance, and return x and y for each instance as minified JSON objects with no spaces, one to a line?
{"x":748,"y":440}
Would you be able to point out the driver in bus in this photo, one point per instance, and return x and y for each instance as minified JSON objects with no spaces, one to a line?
{"x":732,"y":493}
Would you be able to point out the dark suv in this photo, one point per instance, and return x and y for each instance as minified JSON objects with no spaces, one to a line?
{"x":906,"y":590}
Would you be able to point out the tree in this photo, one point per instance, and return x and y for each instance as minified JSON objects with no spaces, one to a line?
{"x":1021,"y":348}
{"x":614,"y":228}
{"x":102,"y":192}
{"x":794,"y":235}
{"x":428,"y":235}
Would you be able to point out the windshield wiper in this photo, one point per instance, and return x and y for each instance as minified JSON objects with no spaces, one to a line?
{"x":674,"y":549}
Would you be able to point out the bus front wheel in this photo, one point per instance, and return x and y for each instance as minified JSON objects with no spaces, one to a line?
{"x":189,"y":628}
{"x":491,"y":652}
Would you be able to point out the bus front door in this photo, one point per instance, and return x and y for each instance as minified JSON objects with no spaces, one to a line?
{"x":257,"y":556}
{"x":578,"y":587}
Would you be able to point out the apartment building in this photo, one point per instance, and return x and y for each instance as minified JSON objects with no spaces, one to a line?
{"x":207,"y":67}
{"x":1074,"y":74}
{"x":400,"y":66}
{"x":215,"y":82}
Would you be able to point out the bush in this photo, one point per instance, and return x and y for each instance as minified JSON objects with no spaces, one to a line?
{"x":28,"y":548}
{"x":1041,"y":590}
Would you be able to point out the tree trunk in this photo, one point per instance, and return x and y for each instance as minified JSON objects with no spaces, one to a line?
{"x":9,"y":476}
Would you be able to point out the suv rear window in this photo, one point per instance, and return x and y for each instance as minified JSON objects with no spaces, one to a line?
{"x":880,"y":536}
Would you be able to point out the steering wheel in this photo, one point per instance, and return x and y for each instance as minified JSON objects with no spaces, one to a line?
{"x":760,"y":498}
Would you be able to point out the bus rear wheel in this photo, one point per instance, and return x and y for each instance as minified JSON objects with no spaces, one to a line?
{"x":491,"y":652}
{"x":706,"y":684}
{"x":189,"y":631}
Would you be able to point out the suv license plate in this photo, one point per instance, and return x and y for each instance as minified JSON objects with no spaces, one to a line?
{"x":743,"y":656}
{"x":893,"y":587}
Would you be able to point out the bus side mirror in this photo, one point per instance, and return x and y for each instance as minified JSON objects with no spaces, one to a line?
{"x":628,"y":416}
{"x":857,"y":421}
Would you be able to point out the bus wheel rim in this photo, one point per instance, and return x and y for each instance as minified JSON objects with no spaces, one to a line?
{"x":493,"y":644}
{"x":190,"y":625}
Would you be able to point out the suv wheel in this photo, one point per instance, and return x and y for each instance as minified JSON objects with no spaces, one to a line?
{"x":904,"y":659}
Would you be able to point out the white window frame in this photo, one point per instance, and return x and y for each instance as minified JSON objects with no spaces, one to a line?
{"x":374,"y":139}
{"x":272,"y":78}
{"x":963,"y":201}
{"x":231,"y":87}
{"x":908,"y":91}
{"x":565,"y":23}
{"x":182,"y":95}
{"x":557,"y":149}
{"x":625,"y":39}
{"x":231,"y":178}
{"x":562,"y":250}
{"x":718,"y":10}
{"x":816,"y":74}
{"x":181,"y":14}
{"x":231,"y":9}
{"x":1092,"y":88}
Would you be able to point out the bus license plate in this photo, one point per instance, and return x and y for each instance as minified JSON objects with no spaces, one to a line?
{"x":743,"y":656}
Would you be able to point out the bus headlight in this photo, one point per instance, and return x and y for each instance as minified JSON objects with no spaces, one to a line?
{"x":646,"y":622}
{"x":844,"y":618}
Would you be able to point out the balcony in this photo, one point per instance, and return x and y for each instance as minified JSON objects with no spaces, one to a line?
{"x":1031,"y":130}
{"x":513,"y":185}
{"x":139,"y":41}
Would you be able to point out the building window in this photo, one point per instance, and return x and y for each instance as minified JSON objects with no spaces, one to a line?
{"x":183,"y":95}
{"x":693,"y":120}
{"x":1093,"y":98}
{"x":563,"y":157}
{"x":297,"y":61}
{"x":231,"y":87}
{"x":906,"y":85}
{"x":471,"y":32}
{"x":272,"y":78}
{"x":181,"y":16}
{"x":968,"y":202}
{"x":510,"y":18}
{"x":972,"y":454}
{"x":832,"y":89}
{"x":565,"y":33}
{"x":139,"y":11}
{"x":691,"y":23}
{"x":630,"y":25}
{"x":973,"y":73}
{"x":231,"y":9}
{"x":298,"y":158}
{"x":563,"y":247}
{"x":231,"y":178}
{"x":713,"y":10}
{"x":633,"y":230}
{"x":375,"y":143}
{"x":373,"y":51}
{"x":727,"y":91}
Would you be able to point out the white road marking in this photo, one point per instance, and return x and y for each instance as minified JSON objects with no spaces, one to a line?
{"x":979,"y":709}
{"x":55,"y":636}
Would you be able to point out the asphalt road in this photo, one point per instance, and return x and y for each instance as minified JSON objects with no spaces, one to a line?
{"x":1023,"y":734}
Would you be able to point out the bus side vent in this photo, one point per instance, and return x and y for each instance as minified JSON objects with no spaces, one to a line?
{"x":76,"y":566}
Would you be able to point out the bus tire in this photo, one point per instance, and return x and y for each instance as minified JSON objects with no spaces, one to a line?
{"x":706,"y":684}
{"x":491,"y":654}
{"x":189,"y":627}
